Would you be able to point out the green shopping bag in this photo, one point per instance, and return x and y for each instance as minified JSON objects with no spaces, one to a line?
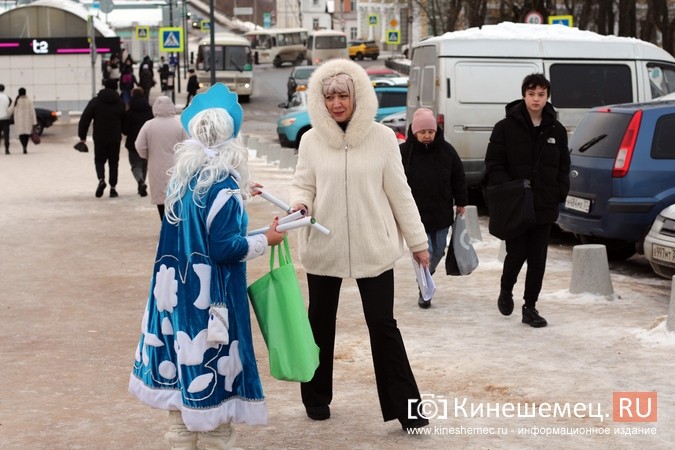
{"x":282,"y":317}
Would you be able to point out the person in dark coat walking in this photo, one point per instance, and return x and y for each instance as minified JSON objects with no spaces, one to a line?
{"x":531,"y":144}
{"x":436,"y":177}
{"x":138,"y":113}
{"x":146,"y":80}
{"x":106,"y":110}
{"x":192,"y":86}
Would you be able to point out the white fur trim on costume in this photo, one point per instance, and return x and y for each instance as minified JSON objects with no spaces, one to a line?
{"x":234,"y":410}
{"x":222,"y":198}
{"x":256,"y":246}
{"x":219,"y":325}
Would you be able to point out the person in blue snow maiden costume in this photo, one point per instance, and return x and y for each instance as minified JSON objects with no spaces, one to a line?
{"x":195,"y":357}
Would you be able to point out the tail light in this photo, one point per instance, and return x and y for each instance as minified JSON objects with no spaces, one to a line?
{"x":625,"y":154}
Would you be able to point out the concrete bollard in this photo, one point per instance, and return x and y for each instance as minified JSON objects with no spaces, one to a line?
{"x":263,"y":149}
{"x":670,"y":322}
{"x":252,"y":144}
{"x":472,"y":225}
{"x":501,"y":256}
{"x":590,"y":270}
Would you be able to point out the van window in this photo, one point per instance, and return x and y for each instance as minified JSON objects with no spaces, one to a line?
{"x":661,"y":79}
{"x":477,"y":81}
{"x":664,"y":136}
{"x":590,"y":85}
{"x":428,"y":87}
{"x":326,"y":42}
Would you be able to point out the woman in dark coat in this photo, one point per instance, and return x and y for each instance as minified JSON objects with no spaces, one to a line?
{"x":138,"y":113}
{"x":437,"y":180}
{"x":530,"y":144}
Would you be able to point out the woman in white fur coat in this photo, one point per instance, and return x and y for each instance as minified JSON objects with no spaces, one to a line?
{"x":350,"y":177}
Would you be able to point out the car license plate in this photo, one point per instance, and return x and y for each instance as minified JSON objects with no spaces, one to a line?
{"x":578,"y":204}
{"x":662,"y":253}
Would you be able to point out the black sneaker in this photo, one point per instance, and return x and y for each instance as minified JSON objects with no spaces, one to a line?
{"x":113,"y":193}
{"x":505,"y":303}
{"x":424,"y":304}
{"x":142,"y":189}
{"x":417,"y":422}
{"x":319,"y":412}
{"x":532,"y":318}
{"x":101,"y":187}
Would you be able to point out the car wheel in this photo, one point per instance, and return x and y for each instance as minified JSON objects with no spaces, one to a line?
{"x":616,"y":250}
{"x":375,"y":56}
{"x":244,"y":98}
{"x":40,"y":127}
{"x":277,"y":61}
{"x":359,"y":56}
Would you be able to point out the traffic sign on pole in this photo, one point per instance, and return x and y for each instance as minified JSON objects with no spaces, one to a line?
{"x":171,"y":39}
{"x":393,"y":37}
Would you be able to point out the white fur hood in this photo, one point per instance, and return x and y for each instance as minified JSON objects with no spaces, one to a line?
{"x":364,"y":109}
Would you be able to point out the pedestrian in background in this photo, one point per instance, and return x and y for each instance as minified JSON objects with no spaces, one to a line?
{"x":146,"y":80}
{"x":350,"y":177}
{"x":436,"y":177}
{"x":195,"y":357}
{"x":192,"y":86}
{"x":138,"y":113}
{"x":25,"y":119}
{"x":106,"y":110}
{"x":5,"y":116}
{"x":530,"y":144}
{"x":127,"y":82}
{"x":166,"y":79}
{"x":155,"y":142}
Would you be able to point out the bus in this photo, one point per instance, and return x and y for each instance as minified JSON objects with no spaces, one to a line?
{"x":278,"y":46}
{"x":233,"y":65}
{"x":326,"y":44}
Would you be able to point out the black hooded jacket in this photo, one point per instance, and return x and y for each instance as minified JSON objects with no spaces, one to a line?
{"x":107,"y":112}
{"x":138,"y":113}
{"x":517,"y":146}
{"x":436,"y":177}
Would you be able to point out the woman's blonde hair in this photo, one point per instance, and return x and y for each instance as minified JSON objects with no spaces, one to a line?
{"x":210,"y":156}
{"x":340,"y":83}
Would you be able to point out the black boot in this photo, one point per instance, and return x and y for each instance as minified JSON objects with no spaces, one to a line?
{"x":505,"y":302}
{"x":113,"y":192}
{"x":101,"y":187}
{"x":424,"y":304}
{"x":142,"y":189}
{"x":532,"y":318}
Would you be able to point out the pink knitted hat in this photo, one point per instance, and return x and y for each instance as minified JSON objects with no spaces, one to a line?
{"x":423,"y":119}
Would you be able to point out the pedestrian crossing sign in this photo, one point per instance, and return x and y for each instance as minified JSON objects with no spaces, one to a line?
{"x":142,"y":33}
{"x":171,"y":39}
{"x":393,"y":37}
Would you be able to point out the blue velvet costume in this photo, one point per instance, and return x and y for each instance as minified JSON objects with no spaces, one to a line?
{"x":200,"y":264}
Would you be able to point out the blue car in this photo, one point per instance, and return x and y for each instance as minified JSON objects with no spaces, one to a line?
{"x":291,"y":126}
{"x":621,"y":175}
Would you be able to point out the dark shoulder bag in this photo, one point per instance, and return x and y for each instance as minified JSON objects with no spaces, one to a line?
{"x":511,"y":207}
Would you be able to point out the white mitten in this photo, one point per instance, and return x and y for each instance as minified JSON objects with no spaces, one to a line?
{"x":219,"y":325}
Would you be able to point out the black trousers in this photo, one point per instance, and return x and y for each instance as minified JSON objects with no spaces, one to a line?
{"x":531,"y":246}
{"x":107,"y":152}
{"x":393,"y":375}
{"x":4,"y":129}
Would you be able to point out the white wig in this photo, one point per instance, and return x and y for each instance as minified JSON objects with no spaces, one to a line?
{"x":210,"y":156}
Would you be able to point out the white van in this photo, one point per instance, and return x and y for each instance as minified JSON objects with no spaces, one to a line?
{"x":323,"y":45}
{"x":467,"y":77}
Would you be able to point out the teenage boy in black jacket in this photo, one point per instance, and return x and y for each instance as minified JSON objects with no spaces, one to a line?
{"x":530,"y":144}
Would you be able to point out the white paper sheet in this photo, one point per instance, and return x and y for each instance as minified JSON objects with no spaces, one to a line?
{"x":424,"y":280}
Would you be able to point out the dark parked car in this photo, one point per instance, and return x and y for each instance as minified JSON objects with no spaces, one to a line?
{"x":622,"y":175}
{"x":299,"y":77}
{"x":45,"y":118}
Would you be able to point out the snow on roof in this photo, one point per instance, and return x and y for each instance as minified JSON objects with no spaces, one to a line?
{"x":552,"y":41}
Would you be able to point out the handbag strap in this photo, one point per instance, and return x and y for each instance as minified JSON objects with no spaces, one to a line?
{"x":283,"y":252}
